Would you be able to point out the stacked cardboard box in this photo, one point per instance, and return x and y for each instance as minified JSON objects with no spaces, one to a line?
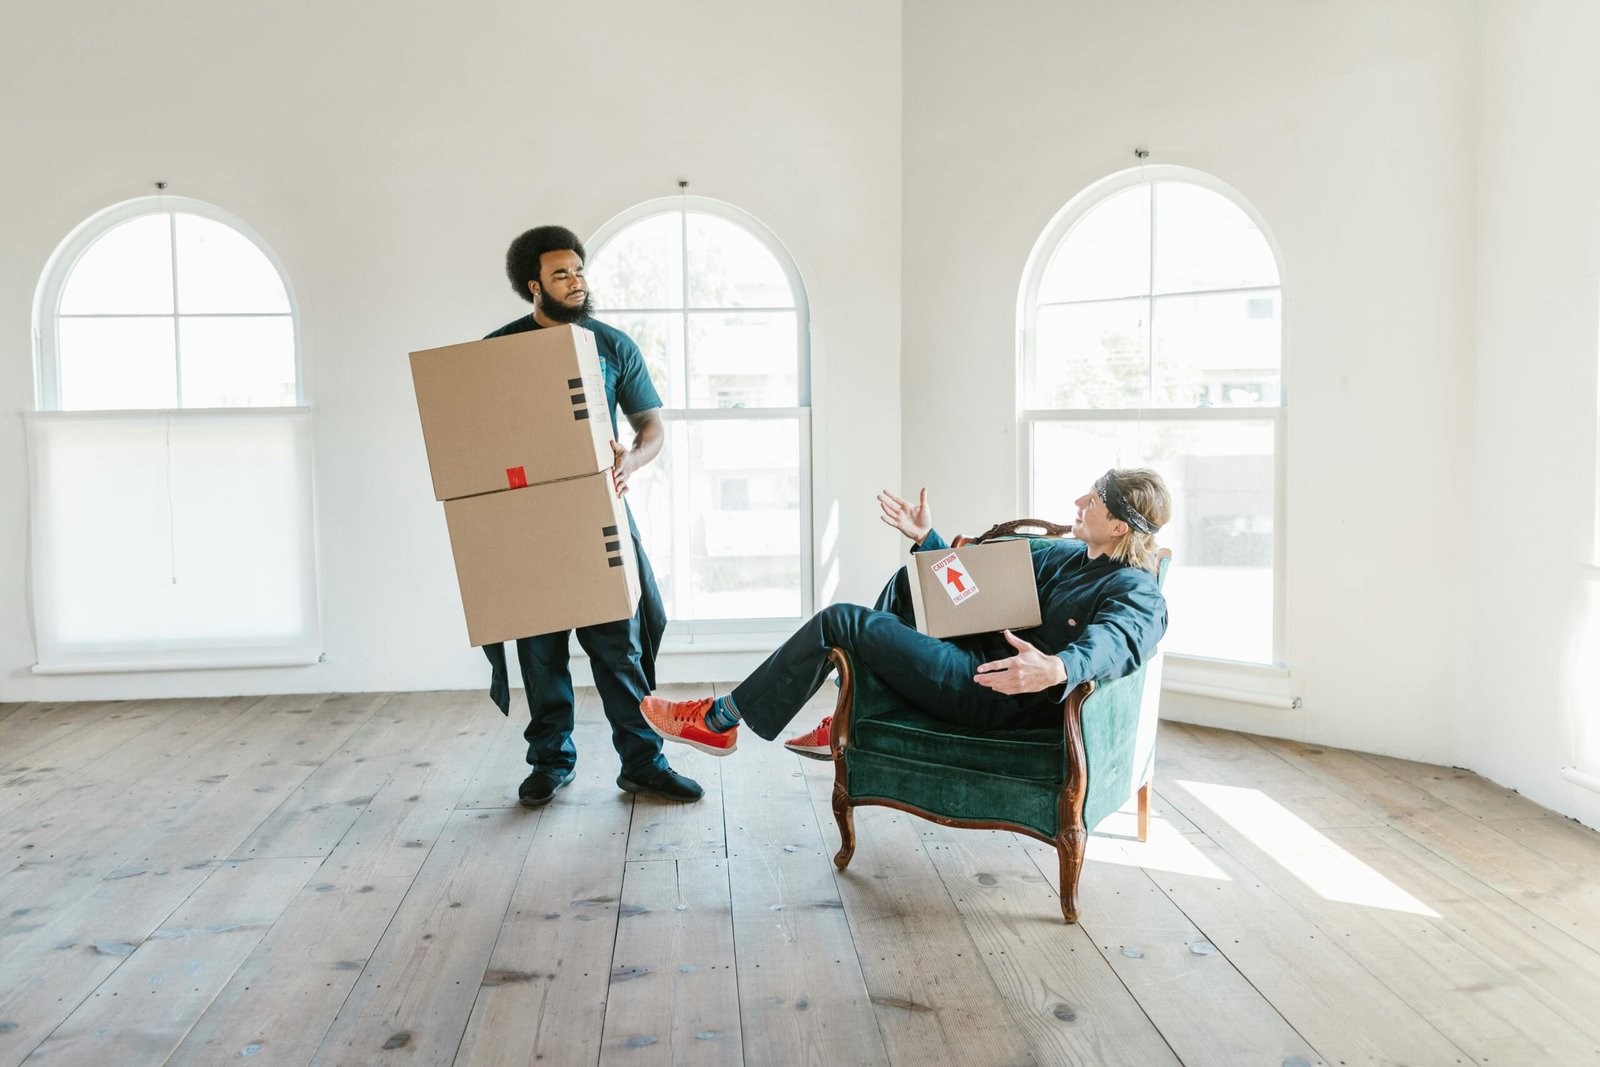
{"x":518,"y":440}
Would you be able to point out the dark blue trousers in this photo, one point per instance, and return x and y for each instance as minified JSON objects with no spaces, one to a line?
{"x":622,"y":656}
{"x":932,"y":675}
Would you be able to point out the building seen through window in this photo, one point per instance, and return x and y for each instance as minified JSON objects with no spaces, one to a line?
{"x":718,"y":311}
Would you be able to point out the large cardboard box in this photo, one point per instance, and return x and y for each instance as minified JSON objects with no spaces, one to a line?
{"x":512,"y":411}
{"x":548,"y":557}
{"x":974,"y":589}
{"x":518,"y":440}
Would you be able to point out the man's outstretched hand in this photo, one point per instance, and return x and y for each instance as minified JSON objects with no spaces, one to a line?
{"x":1029,"y":671}
{"x":913,"y":520}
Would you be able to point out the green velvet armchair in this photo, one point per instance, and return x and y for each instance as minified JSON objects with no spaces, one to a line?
{"x":1055,"y":783}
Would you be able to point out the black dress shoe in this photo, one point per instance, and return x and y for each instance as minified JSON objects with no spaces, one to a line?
{"x":540,"y":786}
{"x":667,"y":784}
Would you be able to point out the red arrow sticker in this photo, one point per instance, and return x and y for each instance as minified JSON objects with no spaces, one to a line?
{"x":954,"y":578}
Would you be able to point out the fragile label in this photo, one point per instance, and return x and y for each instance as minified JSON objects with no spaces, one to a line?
{"x":952,"y":576}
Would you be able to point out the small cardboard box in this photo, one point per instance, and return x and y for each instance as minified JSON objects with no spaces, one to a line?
{"x":547,"y":557}
{"x":512,"y":411}
{"x":975,"y":589}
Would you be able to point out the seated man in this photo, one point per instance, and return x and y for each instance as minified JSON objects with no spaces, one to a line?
{"x":1102,"y":615}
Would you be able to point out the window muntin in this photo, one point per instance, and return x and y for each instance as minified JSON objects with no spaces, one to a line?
{"x":718,"y":310}
{"x":1152,"y":336}
{"x":166,"y":303}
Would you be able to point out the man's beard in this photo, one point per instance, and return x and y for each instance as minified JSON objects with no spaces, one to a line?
{"x":556,"y":311}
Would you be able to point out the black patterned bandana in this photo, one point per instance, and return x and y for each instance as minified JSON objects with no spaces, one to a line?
{"x":1118,"y":505}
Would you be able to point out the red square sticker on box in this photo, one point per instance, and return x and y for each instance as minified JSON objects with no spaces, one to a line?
{"x":953,"y":578}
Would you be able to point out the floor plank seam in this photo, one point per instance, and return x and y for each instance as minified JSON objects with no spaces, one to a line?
{"x":511,"y":899}
{"x":616,"y":924}
{"x":1237,"y":969}
{"x":884,"y":1038}
{"x":1110,"y":968}
{"x":355,"y":983}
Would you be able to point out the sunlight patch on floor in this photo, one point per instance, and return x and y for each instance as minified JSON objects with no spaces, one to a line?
{"x":1167,"y":850}
{"x":1325,"y":868}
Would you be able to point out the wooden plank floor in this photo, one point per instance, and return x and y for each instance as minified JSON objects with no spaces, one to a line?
{"x":348,"y":879}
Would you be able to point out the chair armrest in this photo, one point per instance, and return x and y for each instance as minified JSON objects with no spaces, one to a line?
{"x":1110,"y":729}
{"x":862,"y":695}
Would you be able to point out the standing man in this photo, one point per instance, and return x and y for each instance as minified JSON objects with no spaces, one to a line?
{"x":545,"y":266}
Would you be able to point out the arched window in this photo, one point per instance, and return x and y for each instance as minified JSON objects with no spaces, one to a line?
{"x":165,"y":302}
{"x":718,"y":309}
{"x":171,"y":505}
{"x":1152,"y":335}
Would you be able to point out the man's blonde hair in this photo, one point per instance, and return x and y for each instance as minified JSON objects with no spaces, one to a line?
{"x":1145,"y":492}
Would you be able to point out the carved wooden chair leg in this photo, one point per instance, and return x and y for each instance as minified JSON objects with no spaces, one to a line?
{"x":1144,"y":811}
{"x":1070,"y":847}
{"x":845,"y":816}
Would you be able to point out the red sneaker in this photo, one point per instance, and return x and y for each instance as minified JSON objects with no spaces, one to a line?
{"x":813,"y":744}
{"x":685,"y":721}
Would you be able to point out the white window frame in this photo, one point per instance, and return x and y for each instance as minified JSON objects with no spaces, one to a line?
{"x":736,"y":634}
{"x":47,"y":407}
{"x":53,"y":282}
{"x":1257,"y":683}
{"x":1589,"y":555}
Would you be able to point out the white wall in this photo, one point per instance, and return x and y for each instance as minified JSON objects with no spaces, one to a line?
{"x":1351,"y":127}
{"x":388,"y":154}
{"x":1533,"y":626}
{"x":1430,"y":171}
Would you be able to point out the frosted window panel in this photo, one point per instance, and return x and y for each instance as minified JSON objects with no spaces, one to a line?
{"x":641,"y":267}
{"x":1106,"y":254}
{"x":221,"y":270}
{"x":127,"y":271}
{"x":153,"y":535}
{"x":237,"y":362}
{"x":730,"y":267}
{"x":1091,"y":356}
{"x":1204,"y":241}
{"x":748,"y":359}
{"x":1217,"y":350}
{"x":659,"y":335}
{"x":117,"y":363}
{"x":1221,"y":476}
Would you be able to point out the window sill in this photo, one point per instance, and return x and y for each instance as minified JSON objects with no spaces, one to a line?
{"x":1240,"y":683}
{"x":1577,"y":777}
{"x":134,"y":663}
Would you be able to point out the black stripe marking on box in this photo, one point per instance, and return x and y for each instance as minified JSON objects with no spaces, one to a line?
{"x":577,"y":398}
{"x":574,"y":383}
{"x":616,"y":561}
{"x":609,"y":531}
{"x":581,"y":413}
{"x":613,"y":546}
